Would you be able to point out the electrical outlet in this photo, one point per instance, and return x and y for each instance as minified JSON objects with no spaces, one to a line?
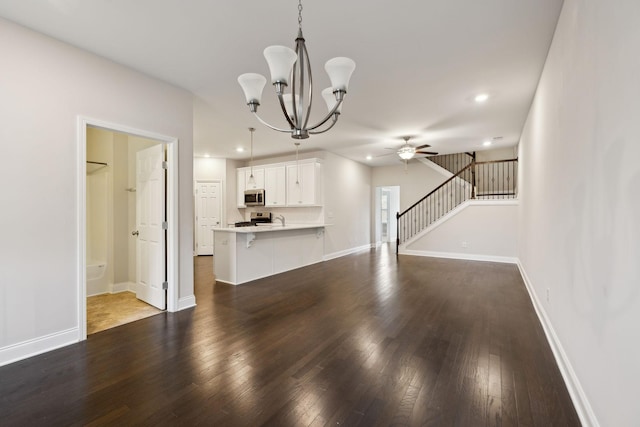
{"x":465,"y":244}
{"x":548,"y":294}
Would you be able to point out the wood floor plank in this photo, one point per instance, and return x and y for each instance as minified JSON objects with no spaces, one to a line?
{"x":367,"y":339}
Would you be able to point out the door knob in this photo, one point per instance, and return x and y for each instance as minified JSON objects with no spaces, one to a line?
{"x":135,"y":233}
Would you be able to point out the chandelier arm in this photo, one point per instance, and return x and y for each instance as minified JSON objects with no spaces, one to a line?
{"x":332,"y":113}
{"x":295,"y":72}
{"x":284,"y":110}
{"x":269,"y":126}
{"x":308,"y":64}
{"x":335,"y":120}
{"x":339,"y":97}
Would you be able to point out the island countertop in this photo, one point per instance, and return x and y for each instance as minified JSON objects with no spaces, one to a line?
{"x":269,"y":227}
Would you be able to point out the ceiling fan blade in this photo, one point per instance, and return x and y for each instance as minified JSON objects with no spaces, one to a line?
{"x":428,"y":153}
{"x":422,"y":146}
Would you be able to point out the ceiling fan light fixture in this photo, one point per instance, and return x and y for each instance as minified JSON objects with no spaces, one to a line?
{"x":406,"y":152}
{"x":481,"y":97}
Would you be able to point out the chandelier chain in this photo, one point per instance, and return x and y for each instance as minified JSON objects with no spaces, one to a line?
{"x":300,"y":14}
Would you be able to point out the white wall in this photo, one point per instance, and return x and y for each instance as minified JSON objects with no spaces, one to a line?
{"x":416,"y":182}
{"x":579,"y":234}
{"x":123,"y":203}
{"x":347,"y":205}
{"x":480,"y":230}
{"x":506,"y":153}
{"x":45,"y":86}
{"x":99,"y":201}
{"x":209,"y":169}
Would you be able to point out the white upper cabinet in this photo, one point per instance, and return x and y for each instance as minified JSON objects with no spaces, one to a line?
{"x":303,"y":184}
{"x":275,"y":185}
{"x":240,"y":182}
{"x":288,"y":184}
{"x":258,"y":178}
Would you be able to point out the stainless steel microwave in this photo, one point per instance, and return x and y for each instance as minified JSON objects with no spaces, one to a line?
{"x":254,"y":197}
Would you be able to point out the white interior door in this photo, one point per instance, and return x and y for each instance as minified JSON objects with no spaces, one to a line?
{"x":150,"y":216}
{"x":208,"y":215}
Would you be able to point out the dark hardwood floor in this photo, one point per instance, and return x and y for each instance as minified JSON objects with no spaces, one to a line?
{"x":361,"y":340}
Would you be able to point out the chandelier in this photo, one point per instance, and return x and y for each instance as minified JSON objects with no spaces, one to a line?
{"x":292,"y":66}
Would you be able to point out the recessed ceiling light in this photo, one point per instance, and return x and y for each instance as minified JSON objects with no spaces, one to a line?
{"x":486,"y":143}
{"x":207,"y":155}
{"x":481,"y":97}
{"x":369,"y":157}
{"x":239,"y":149}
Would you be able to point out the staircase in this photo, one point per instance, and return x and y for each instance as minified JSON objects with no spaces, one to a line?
{"x":454,"y":163}
{"x":474,"y":180}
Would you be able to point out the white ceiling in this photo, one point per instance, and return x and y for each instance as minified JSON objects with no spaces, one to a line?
{"x":419,"y":64}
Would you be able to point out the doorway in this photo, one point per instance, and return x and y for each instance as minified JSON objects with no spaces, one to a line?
{"x":208,"y":212}
{"x":387,"y":205}
{"x":140,"y":173}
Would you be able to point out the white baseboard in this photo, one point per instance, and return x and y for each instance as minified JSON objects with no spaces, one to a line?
{"x":454,"y":255}
{"x":123,"y":287}
{"x":345,"y":252}
{"x":579,"y":398}
{"x":186,"y":302}
{"x":33,"y":347}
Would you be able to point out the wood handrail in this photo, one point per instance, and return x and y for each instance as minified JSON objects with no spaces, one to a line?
{"x":435,"y":189}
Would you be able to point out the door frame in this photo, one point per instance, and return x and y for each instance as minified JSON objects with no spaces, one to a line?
{"x":223,"y":209}
{"x":172,"y":189}
{"x":394,"y":205}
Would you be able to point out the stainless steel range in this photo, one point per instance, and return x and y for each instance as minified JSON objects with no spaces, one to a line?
{"x":256,"y":217}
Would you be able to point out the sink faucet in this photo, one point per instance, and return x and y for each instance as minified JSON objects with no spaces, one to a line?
{"x":281,"y":218}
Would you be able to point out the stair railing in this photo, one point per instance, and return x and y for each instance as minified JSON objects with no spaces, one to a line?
{"x":455,"y":162}
{"x":478,"y":180}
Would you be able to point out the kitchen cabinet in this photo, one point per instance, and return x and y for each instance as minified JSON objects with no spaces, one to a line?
{"x":243,"y":175}
{"x":303,"y":184}
{"x":240,"y":183}
{"x":290,"y":184}
{"x":275,"y":185}
{"x":258,"y":178}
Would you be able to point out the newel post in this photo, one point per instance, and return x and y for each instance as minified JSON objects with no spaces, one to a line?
{"x":473,"y":175}
{"x":397,"y":232}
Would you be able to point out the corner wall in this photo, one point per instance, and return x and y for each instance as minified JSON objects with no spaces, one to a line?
{"x":476,"y":230}
{"x":46,"y":85}
{"x":578,"y":232}
{"x":347,"y":205}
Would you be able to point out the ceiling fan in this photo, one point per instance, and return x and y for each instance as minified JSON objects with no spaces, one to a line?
{"x":407,"y":151}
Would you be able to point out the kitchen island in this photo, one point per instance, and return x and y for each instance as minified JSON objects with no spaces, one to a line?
{"x":243,"y":254}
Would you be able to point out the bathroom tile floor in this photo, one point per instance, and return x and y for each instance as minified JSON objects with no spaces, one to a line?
{"x":110,"y":310}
